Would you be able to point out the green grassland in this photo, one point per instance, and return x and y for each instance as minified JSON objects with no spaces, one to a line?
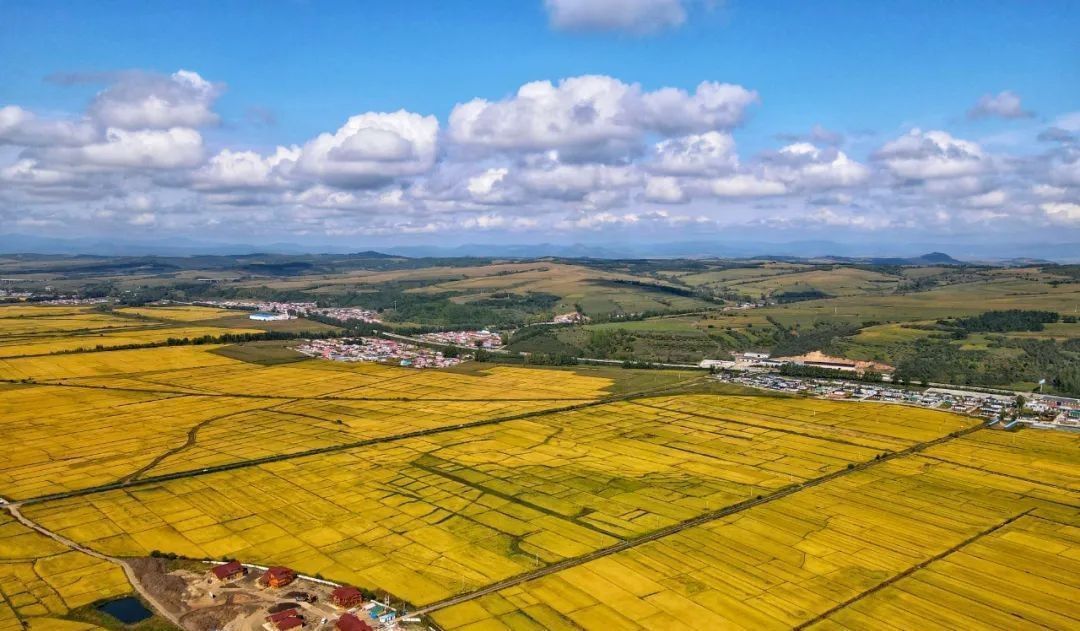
{"x":739,"y":274}
{"x":269,"y":353}
{"x":890,"y":322}
{"x":840,"y":281}
{"x":676,"y":311}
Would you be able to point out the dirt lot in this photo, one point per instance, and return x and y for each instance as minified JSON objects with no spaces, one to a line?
{"x":202,"y":603}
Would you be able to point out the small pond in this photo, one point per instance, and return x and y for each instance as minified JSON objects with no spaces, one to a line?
{"x":128,"y":610}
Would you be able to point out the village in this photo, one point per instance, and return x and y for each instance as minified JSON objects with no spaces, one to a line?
{"x":478,"y":339}
{"x":232,"y":596}
{"x":287,"y":310}
{"x":373,"y":349}
{"x":1007,"y":410}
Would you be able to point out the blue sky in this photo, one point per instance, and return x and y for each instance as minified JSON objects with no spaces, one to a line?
{"x":279,"y":74}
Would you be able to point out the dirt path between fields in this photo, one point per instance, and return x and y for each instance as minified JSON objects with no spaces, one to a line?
{"x":347,"y":446}
{"x":911,"y":570}
{"x":129,"y":571}
{"x":684,"y":525}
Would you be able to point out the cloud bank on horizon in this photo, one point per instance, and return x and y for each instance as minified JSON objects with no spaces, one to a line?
{"x":586,"y":154}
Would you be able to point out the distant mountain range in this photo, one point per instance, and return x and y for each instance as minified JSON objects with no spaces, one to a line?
{"x":900,"y":253}
{"x":933,"y":258}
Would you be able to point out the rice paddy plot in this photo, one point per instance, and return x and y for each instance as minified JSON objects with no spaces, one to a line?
{"x":428,"y":517}
{"x":111,"y":339}
{"x":786,"y":562}
{"x":119,"y":362}
{"x":82,"y":448}
{"x":183,"y":313}
{"x":1026,"y":575}
{"x":34,"y":310}
{"x":104,"y":417}
{"x":40,"y":580}
{"x":314,"y":379}
{"x":92,"y":437}
{"x":1050,"y":457}
{"x":878,"y":425}
{"x":27,"y":326}
{"x":304,"y":425}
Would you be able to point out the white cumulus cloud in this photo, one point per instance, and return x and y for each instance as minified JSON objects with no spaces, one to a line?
{"x":745,"y":185}
{"x":923,"y":155}
{"x":1062,"y":212}
{"x":139,"y":100}
{"x":665,"y":190}
{"x":803,"y":165}
{"x":371,"y":149}
{"x":22,"y":127}
{"x":697,"y":154}
{"x":575,"y":181}
{"x":142,"y":149}
{"x":594,"y":111}
{"x":245,"y":169}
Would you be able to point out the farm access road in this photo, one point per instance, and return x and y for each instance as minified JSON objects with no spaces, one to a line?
{"x":131,"y":481}
{"x":128,"y":570}
{"x":684,"y":525}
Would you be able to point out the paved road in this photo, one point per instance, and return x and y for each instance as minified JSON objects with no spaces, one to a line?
{"x":128,"y":570}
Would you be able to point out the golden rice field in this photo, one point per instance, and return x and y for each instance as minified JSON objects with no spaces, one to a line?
{"x":1024,"y":576}
{"x":808,"y":557}
{"x":429,"y":484}
{"x":430,"y":516}
{"x":27,"y":325}
{"x":183,"y":313}
{"x":91,"y":419}
{"x":36,"y":330}
{"x":40,"y":330}
{"x":115,"y":364}
{"x":41,"y":580}
{"x":123,"y":337}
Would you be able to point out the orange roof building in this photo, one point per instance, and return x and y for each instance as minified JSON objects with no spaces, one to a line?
{"x":346,"y":597}
{"x":818,"y":359}
{"x":349,"y":622}
{"x":278,"y":576}
{"x":286,"y":619}
{"x":228,"y":571}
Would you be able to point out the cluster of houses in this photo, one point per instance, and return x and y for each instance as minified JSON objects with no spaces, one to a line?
{"x":271,"y":307}
{"x":11,"y":295}
{"x":1040,"y":411}
{"x":61,"y":301}
{"x":373,"y":349}
{"x":975,"y":403}
{"x":1054,"y":411}
{"x":345,"y":314}
{"x":472,"y":339}
{"x":355,"y":613}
